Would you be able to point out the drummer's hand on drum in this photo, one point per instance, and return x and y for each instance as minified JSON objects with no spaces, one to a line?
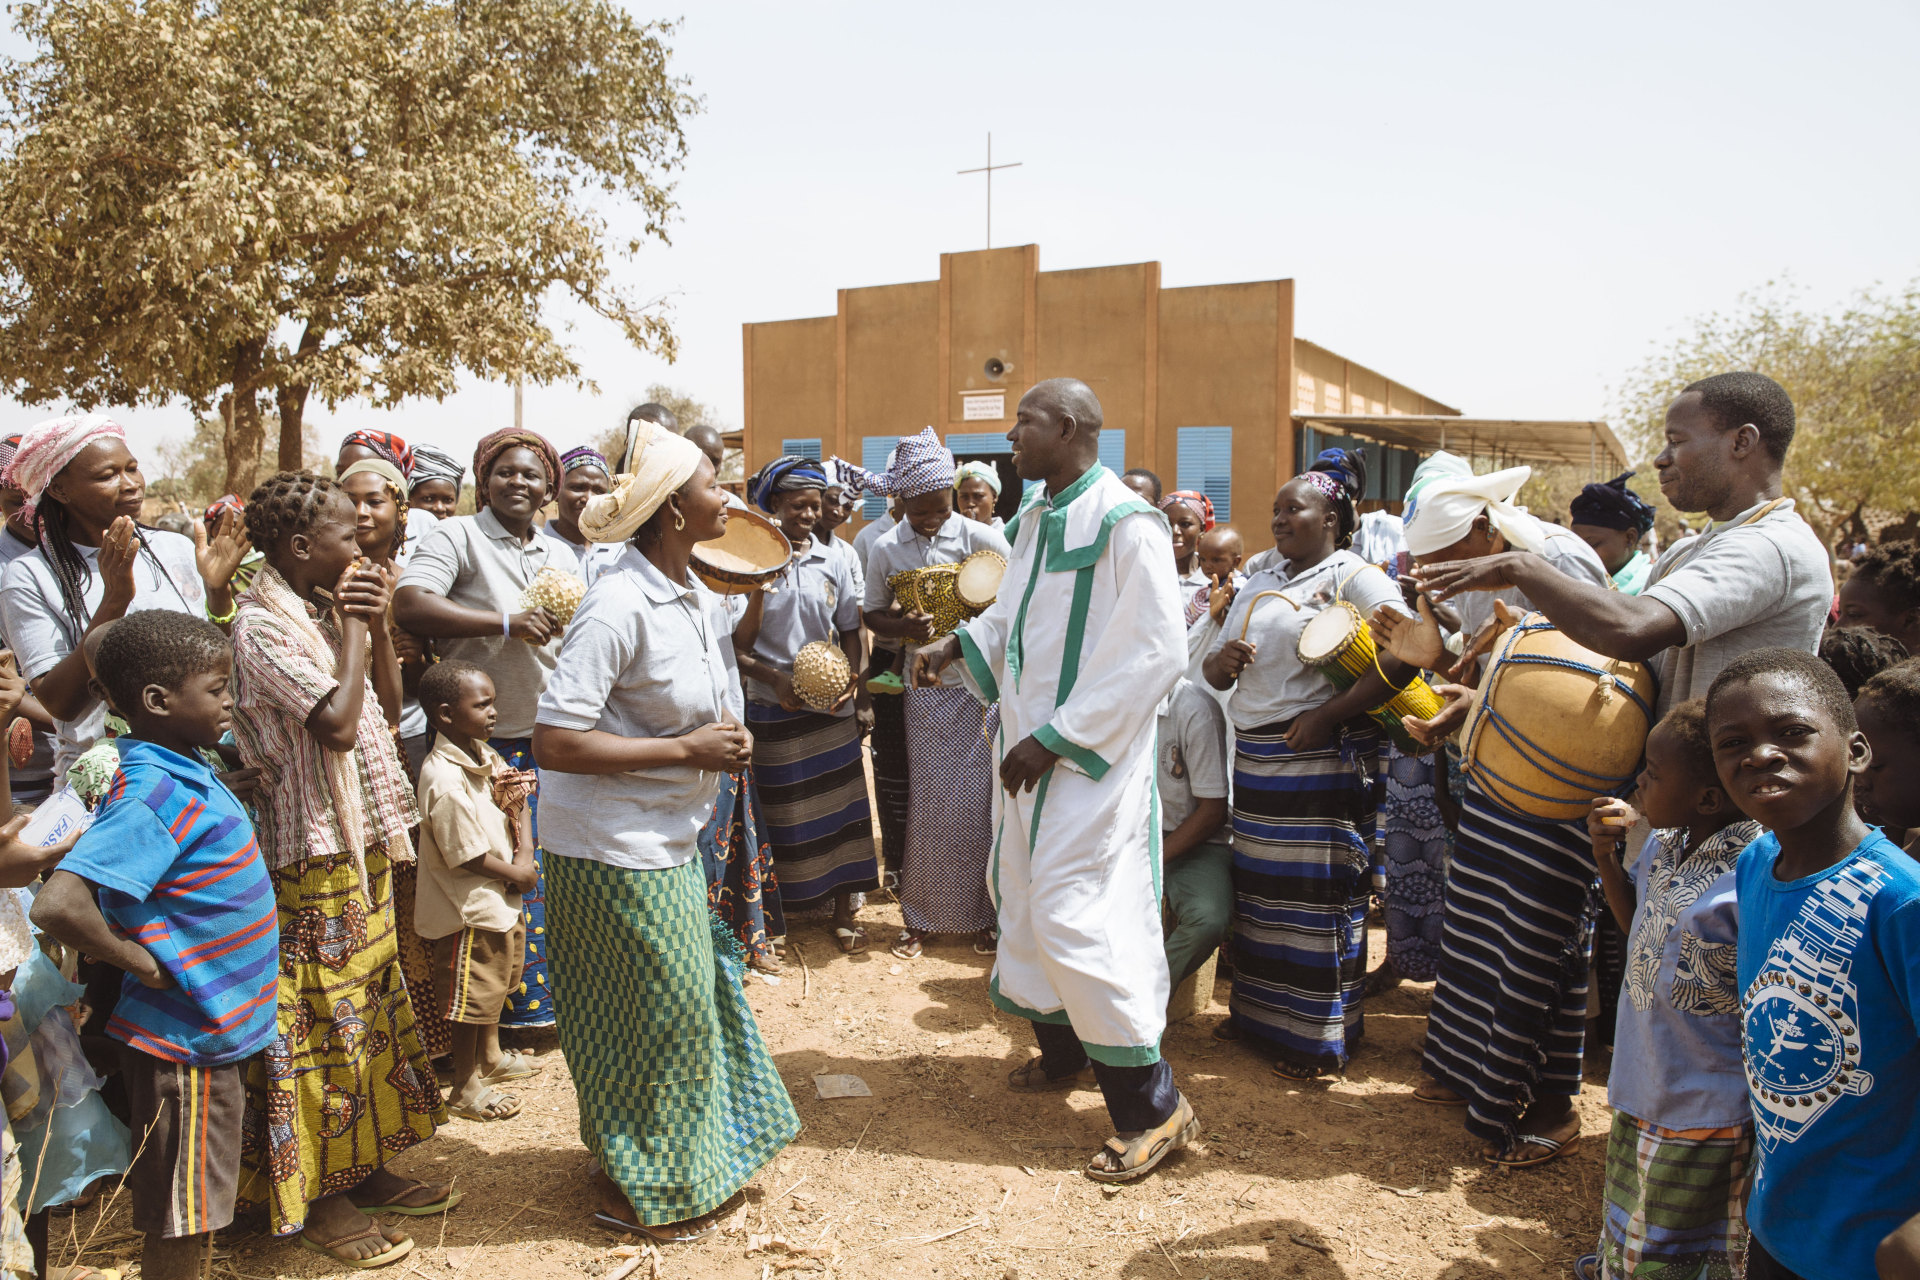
{"x":1025,"y":765}
{"x":1482,"y":641}
{"x":919,"y":626}
{"x":931,"y":660}
{"x":535,"y":626}
{"x":1486,"y":573}
{"x":1415,"y":641}
{"x":718,"y":747}
{"x":1454,"y":701}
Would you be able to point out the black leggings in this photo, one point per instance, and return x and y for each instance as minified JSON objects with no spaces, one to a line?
{"x":1762,"y":1266}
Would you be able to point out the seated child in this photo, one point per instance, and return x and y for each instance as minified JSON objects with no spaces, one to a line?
{"x":1829,"y":972}
{"x":475,"y":862}
{"x":184,"y":907}
{"x":1198,"y":878}
{"x":1681,"y":1151}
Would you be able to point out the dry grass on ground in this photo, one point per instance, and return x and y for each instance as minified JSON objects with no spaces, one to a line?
{"x":943,"y":1173}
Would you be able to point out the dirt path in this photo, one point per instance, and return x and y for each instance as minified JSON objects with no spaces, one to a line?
{"x":944,"y":1173}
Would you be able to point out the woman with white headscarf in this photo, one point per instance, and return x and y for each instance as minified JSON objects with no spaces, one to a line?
{"x":1506,"y":1034}
{"x":680,"y":1103}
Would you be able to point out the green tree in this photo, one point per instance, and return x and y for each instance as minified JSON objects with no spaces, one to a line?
{"x":244,"y":203}
{"x":192,"y":470}
{"x":1854,"y":375}
{"x":689,"y":411}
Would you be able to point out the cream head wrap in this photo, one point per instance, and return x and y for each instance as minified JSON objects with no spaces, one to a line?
{"x":1442,"y":507}
{"x":656,"y":463}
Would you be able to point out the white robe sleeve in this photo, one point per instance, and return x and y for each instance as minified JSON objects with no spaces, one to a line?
{"x":983,"y":651}
{"x":1136,"y":658}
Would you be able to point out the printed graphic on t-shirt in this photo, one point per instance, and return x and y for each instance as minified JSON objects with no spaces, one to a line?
{"x":1176,"y":762}
{"x":1671,"y":889}
{"x":1802,"y":1028}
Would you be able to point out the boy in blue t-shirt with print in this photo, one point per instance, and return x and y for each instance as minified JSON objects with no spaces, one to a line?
{"x":184,"y":905}
{"x":1829,"y":972}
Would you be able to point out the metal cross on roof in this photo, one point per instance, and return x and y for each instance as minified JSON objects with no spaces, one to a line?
{"x":988,"y":169}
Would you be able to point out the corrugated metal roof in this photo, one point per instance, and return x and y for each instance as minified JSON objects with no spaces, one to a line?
{"x":1573,"y":444}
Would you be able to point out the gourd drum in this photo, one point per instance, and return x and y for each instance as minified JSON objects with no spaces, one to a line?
{"x":1337,"y":642}
{"x":556,"y":591}
{"x":750,"y":554}
{"x":820,"y":674}
{"x":1554,"y":724}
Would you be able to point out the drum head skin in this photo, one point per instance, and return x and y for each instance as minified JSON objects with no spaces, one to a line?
{"x":979,"y":581}
{"x":1327,"y":633}
{"x":750,"y":552}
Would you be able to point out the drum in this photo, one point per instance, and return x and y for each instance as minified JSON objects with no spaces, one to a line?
{"x":979,"y":580}
{"x":749,"y":555}
{"x":1338,"y":644}
{"x":932,"y":589}
{"x":1554,"y":724}
{"x":820,"y":674}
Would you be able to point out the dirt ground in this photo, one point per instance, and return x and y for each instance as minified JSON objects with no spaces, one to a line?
{"x":944,"y":1173}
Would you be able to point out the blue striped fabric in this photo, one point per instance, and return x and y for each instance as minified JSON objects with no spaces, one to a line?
{"x":1303,"y":835}
{"x":1510,"y":999}
{"x":179,"y":872}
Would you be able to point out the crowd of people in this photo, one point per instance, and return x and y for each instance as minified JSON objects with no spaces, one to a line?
{"x":279,"y":784}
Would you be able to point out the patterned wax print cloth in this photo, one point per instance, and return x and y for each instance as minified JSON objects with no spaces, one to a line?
{"x":813,"y":790}
{"x":533,"y":1003}
{"x":742,"y":886}
{"x":679,"y":1100}
{"x":346,"y":1087}
{"x":943,"y":887}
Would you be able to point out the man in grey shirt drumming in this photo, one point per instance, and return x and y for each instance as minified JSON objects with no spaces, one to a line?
{"x":1757,"y":577}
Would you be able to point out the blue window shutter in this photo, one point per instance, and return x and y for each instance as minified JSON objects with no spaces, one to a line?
{"x":989,"y":442}
{"x":1113,"y":450}
{"x":802,"y":448}
{"x":873,"y":456}
{"x":1206,"y":466}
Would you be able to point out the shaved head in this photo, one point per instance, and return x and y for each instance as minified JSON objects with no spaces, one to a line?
{"x":1068,"y":398}
{"x":657,"y":413}
{"x":1224,"y":540}
{"x":707,"y":440}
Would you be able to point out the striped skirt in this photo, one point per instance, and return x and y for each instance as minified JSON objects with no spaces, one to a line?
{"x":1415,"y":845}
{"x":943,"y":888}
{"x":1303,"y":827}
{"x":679,"y":1099}
{"x":813,"y":789}
{"x":1510,"y":998}
{"x":1676,"y":1202}
{"x":532,"y":1003}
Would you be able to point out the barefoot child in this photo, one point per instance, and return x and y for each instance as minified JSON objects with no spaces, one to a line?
{"x":475,"y":862}
{"x":1829,"y":972}
{"x":186,"y":908}
{"x":1680,"y":1155}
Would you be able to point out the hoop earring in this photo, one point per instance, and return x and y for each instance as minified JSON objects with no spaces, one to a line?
{"x":679,"y":521}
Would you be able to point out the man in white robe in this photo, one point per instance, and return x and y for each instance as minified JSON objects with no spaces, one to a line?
{"x":1084,"y":641}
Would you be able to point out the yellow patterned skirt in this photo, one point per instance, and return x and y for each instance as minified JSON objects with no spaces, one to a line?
{"x":347,"y":1085}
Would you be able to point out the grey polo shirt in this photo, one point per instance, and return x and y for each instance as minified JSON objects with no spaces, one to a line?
{"x":1739,"y":587}
{"x":644,"y":658}
{"x":473,"y":561}
{"x":37,"y":626}
{"x":901,"y":549}
{"x":815,"y":599}
{"x":1192,"y":755}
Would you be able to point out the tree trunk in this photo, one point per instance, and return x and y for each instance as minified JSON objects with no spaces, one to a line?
{"x":291,"y":396}
{"x":245,"y":433}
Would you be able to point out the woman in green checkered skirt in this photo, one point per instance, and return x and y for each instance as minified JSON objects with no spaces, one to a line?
{"x":679,"y":1099}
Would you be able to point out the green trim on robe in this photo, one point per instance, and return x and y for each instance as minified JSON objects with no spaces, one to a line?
{"x":977,"y":668}
{"x":1088,"y":762}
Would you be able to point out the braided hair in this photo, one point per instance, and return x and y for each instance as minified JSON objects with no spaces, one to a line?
{"x":1893,"y":568}
{"x":1858,"y":654}
{"x":53,"y":534}
{"x":1349,"y":468}
{"x":287,"y":503}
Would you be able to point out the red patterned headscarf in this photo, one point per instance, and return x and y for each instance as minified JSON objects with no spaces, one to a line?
{"x":386,"y":446}
{"x":1201,"y":504}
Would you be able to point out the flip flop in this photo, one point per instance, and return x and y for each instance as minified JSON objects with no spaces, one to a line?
{"x":852,"y":941}
{"x":486,"y":1106}
{"x":514,"y":1065}
{"x":395,"y":1250}
{"x":1226,"y":1032}
{"x":1432,"y":1101}
{"x":986,"y":942}
{"x":1549,"y":1149}
{"x":1299,"y":1075}
{"x":909,"y":946}
{"x":415,"y":1211}
{"x":1587,"y":1267}
{"x":665,"y":1233}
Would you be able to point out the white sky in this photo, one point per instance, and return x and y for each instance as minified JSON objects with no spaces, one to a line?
{"x":1505,"y":207}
